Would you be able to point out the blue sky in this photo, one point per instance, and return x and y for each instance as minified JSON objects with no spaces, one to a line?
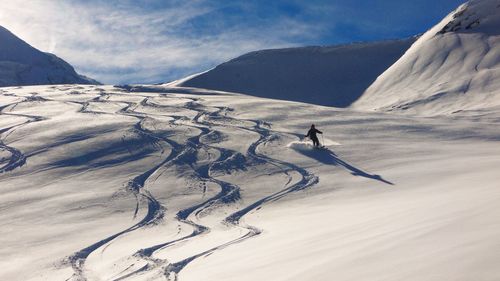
{"x":151,"y":41}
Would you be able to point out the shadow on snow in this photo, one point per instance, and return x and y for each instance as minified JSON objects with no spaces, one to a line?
{"x":328,"y":157}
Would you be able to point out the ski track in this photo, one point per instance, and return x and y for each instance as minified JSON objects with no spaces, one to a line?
{"x":229,"y":193}
{"x":206,"y":119}
{"x":17,"y":158}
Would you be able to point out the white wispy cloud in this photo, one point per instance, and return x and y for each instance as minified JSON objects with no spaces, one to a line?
{"x":118,"y":42}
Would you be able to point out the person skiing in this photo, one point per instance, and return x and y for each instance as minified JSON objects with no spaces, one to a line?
{"x":312,"y":135}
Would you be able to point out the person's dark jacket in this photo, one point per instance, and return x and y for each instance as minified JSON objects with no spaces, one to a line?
{"x":312,"y":133}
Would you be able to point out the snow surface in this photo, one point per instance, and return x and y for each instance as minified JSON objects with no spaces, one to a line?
{"x":453,"y":67}
{"x":21,"y":64}
{"x":331,"y":76}
{"x":181,"y":183}
{"x":157,"y":183}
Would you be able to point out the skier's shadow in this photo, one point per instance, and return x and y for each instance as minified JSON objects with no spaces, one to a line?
{"x":326,"y":156}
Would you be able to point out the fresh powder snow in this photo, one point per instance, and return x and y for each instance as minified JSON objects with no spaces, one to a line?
{"x":155,"y":183}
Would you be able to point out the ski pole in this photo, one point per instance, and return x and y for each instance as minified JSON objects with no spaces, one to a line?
{"x":322,"y":140}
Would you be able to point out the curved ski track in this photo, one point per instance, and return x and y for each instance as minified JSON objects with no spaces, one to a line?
{"x":206,"y":119}
{"x":17,"y":158}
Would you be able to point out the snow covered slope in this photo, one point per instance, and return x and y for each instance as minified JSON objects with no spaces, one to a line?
{"x":455,"y":66}
{"x":21,"y":64}
{"x":331,"y":76}
{"x":155,"y":183}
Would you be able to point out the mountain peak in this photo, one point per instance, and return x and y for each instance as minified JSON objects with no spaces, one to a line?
{"x":21,"y":64}
{"x":452,"y":68}
{"x":474,"y":16}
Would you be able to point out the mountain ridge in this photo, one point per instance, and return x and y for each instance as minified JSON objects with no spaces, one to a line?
{"x":304,"y":74}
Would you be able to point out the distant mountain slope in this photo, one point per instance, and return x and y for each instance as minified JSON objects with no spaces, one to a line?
{"x":331,"y":76}
{"x":453,"y":67}
{"x":21,"y":64}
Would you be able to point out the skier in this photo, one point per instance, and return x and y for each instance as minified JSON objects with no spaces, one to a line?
{"x":312,"y":135}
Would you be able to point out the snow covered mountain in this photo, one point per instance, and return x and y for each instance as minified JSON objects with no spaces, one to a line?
{"x":453,"y":67}
{"x":21,"y":64}
{"x":331,"y":76}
